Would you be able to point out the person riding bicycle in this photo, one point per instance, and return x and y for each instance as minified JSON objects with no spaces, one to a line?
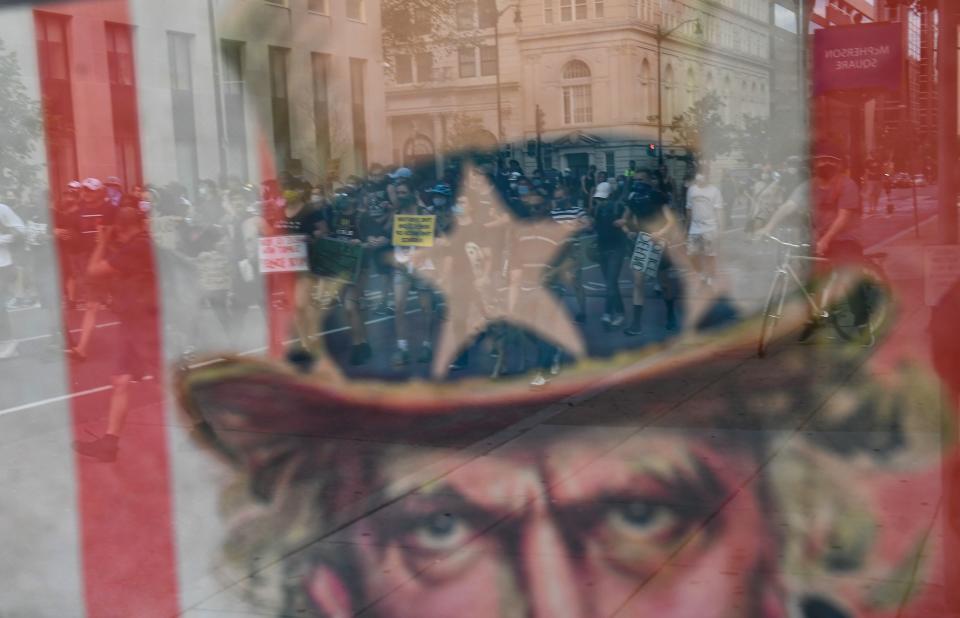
{"x":835,"y":211}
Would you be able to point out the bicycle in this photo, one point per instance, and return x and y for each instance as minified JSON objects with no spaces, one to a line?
{"x":839,"y":313}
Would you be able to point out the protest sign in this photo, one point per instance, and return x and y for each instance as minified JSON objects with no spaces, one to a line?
{"x":647,"y":254}
{"x":414,"y":230}
{"x":336,"y":259}
{"x":283,"y":254}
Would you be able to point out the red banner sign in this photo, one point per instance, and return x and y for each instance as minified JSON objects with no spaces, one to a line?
{"x":860,"y":57}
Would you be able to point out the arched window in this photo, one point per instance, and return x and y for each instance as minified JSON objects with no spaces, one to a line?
{"x":726,"y":94}
{"x":576,"y":69}
{"x":669,"y":105}
{"x":577,"y":93}
{"x":648,"y":95}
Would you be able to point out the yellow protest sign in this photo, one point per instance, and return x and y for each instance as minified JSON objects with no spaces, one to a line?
{"x":413,"y":230}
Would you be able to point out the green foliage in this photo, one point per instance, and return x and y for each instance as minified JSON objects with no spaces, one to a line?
{"x":702,"y":131}
{"x":754,"y":141}
{"x":20,"y":127}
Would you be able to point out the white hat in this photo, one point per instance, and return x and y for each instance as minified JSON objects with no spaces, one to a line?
{"x":603,"y":190}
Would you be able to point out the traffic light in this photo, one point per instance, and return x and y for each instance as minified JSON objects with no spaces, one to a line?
{"x":541,"y":120}
{"x":652,"y":150}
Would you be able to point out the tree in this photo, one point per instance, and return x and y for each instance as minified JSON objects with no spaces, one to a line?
{"x":755,"y":142}
{"x":701,"y":129}
{"x":20,"y":126}
{"x":426,"y":26}
{"x":465,"y":132}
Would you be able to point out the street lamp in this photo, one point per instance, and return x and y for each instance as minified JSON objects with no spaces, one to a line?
{"x":661,"y":36}
{"x":517,"y":20}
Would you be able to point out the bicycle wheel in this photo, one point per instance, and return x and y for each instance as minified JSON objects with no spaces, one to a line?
{"x":772,"y":312}
{"x":874,"y":293}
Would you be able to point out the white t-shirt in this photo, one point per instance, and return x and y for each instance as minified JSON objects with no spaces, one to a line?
{"x":704,"y":205}
{"x":10,"y":224}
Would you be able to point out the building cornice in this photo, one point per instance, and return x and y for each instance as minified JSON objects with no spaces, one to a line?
{"x":637,"y":27}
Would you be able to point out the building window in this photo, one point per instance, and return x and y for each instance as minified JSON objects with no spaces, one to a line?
{"x":355,"y":10}
{"x":424,"y":67}
{"x":548,"y":11}
{"x":358,"y":105}
{"x":123,"y":102}
{"x":576,"y":69}
{"x":231,"y":60}
{"x":571,"y":10}
{"x":466,"y":15}
{"x":598,"y":8}
{"x":54,"y":72}
{"x":577,"y":107}
{"x":403,"y":69}
{"x":467,"y":61}
{"x":318,"y":6}
{"x":488,"y":60}
{"x":179,"y":48}
{"x":488,"y":14}
{"x":577,"y":93}
{"x":320,"y":63}
{"x":611,"y":161}
{"x":279,"y":58}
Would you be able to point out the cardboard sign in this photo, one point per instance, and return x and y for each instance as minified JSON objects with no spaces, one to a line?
{"x":941,"y":269}
{"x":647,"y":254}
{"x":414,"y":230}
{"x":336,"y":259}
{"x":859,"y":57}
{"x":213,"y":269}
{"x":283,"y":254}
{"x":166,"y":231}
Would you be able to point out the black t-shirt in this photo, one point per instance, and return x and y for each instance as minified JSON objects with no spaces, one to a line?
{"x":133,"y":261}
{"x":304,"y":222}
{"x":346,"y":226}
{"x":607,"y":212}
{"x":88,"y":219}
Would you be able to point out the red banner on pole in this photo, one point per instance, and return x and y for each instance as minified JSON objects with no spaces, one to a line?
{"x":860,"y":57}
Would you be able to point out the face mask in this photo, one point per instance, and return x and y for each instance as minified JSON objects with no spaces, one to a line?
{"x":523,"y":190}
{"x":145,"y":207}
{"x":405,"y":200}
{"x":457,"y":209}
{"x":513,"y":186}
{"x":700,"y":179}
{"x":439,"y":202}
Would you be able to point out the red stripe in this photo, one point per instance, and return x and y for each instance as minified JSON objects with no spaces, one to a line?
{"x":125,"y":509}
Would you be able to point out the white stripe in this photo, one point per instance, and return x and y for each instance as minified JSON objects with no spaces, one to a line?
{"x":43,"y":402}
{"x":100,"y":389}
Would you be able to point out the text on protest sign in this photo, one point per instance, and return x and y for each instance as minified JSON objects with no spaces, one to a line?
{"x":283,"y":254}
{"x":414,"y":230}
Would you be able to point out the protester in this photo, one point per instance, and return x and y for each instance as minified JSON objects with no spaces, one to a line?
{"x":705,"y":220}
{"x":12,"y":231}
{"x":650,"y":224}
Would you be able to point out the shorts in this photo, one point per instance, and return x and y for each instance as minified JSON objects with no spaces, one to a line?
{"x":402,"y":276}
{"x":379,"y":261}
{"x":702,"y":244}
